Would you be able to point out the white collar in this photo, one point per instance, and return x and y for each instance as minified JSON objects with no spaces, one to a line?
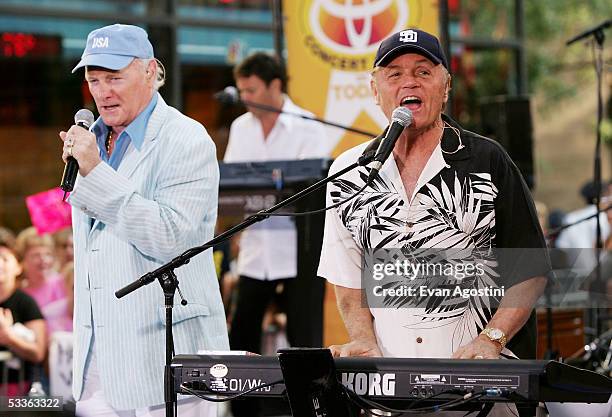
{"x":434,"y":165}
{"x":285,"y":119}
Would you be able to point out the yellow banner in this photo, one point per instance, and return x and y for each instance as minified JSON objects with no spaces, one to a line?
{"x":330,"y":50}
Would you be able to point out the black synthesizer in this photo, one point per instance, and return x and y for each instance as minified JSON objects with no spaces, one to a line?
{"x":529,"y":381}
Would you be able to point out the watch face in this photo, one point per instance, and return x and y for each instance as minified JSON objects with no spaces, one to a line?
{"x":496,"y":334}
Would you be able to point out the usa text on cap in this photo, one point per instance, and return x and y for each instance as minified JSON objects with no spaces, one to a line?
{"x":115,"y":46}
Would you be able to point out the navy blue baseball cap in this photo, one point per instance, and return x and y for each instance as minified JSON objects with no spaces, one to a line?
{"x":115,"y":46}
{"x":410,"y":41}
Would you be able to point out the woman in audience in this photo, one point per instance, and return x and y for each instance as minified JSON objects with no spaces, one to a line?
{"x":64,"y":248}
{"x":22,"y":329}
{"x":62,"y":309}
{"x":68,"y":273}
{"x":39,"y":278}
{"x":7,"y":237}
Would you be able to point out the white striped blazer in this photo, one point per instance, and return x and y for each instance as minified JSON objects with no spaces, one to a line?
{"x":161,"y":201}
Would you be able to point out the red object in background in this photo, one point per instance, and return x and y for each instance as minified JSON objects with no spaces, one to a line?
{"x":48,"y":211}
{"x":21,"y":45}
{"x":453,"y":6}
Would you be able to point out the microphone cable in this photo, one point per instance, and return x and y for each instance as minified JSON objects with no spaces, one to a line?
{"x":222,"y":398}
{"x":373,"y":405}
{"x":372,"y":153}
{"x":368,"y":153}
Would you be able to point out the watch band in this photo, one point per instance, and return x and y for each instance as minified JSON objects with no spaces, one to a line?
{"x":496,"y":335}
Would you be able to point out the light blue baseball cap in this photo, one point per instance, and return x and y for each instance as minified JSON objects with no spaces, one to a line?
{"x":115,"y":46}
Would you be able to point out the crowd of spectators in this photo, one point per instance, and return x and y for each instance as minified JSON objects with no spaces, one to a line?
{"x":36,"y":303}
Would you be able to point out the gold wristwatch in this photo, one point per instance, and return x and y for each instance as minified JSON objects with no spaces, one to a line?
{"x":495,"y":335}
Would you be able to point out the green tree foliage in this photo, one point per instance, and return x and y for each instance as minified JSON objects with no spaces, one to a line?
{"x":555,"y":70}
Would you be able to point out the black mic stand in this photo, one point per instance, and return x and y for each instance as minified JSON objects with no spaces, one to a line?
{"x":599,"y":37}
{"x":556,"y":231}
{"x":551,"y":235}
{"x":169,"y":283}
{"x":232,"y":99}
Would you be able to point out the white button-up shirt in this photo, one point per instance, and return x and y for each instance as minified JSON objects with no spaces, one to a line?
{"x":268,"y":250}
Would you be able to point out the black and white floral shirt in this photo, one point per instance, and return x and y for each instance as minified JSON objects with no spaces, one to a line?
{"x":469,"y":195}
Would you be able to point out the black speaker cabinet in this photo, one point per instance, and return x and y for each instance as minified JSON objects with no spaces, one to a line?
{"x":508,"y":121}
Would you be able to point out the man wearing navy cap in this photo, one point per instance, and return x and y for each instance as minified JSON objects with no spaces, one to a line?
{"x":444,"y":187}
{"x":146,"y":192}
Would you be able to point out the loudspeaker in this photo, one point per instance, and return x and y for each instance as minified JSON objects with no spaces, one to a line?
{"x":508,"y":121}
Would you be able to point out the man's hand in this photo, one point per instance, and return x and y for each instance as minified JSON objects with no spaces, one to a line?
{"x":82,"y":146}
{"x":359,"y":324}
{"x":512,"y":314}
{"x":355,"y":348}
{"x":480,"y":348}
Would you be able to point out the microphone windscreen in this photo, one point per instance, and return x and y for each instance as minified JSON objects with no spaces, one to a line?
{"x":402,"y":115}
{"x":84,"y":117}
{"x":229,"y":95}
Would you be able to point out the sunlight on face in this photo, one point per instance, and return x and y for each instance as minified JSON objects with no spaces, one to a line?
{"x":38,"y":261}
{"x":9,"y":267}
{"x":414,"y":82}
{"x":254,"y":89}
{"x":121,"y":95}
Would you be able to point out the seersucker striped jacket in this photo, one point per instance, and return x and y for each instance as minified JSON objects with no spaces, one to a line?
{"x":161,"y":201}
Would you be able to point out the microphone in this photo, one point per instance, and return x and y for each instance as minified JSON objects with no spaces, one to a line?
{"x":369,"y":152}
{"x":229,"y":95}
{"x":83,"y":118}
{"x":400,"y":119}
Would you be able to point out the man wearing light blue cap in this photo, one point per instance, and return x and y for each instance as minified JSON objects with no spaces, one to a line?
{"x":114,"y":47}
{"x":146,"y":192}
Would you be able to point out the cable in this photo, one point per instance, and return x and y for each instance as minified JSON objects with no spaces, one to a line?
{"x":307,"y":213}
{"x":369,"y":404}
{"x":365,"y":158}
{"x":450,"y":391}
{"x":511,"y":411}
{"x":198,"y":394}
{"x":374,"y":412}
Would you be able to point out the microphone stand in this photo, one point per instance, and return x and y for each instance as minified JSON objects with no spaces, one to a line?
{"x":599,"y":37}
{"x":554,"y":232}
{"x":273,"y":109}
{"x":550,"y":353}
{"x":169,"y":282}
{"x":593,"y":31}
